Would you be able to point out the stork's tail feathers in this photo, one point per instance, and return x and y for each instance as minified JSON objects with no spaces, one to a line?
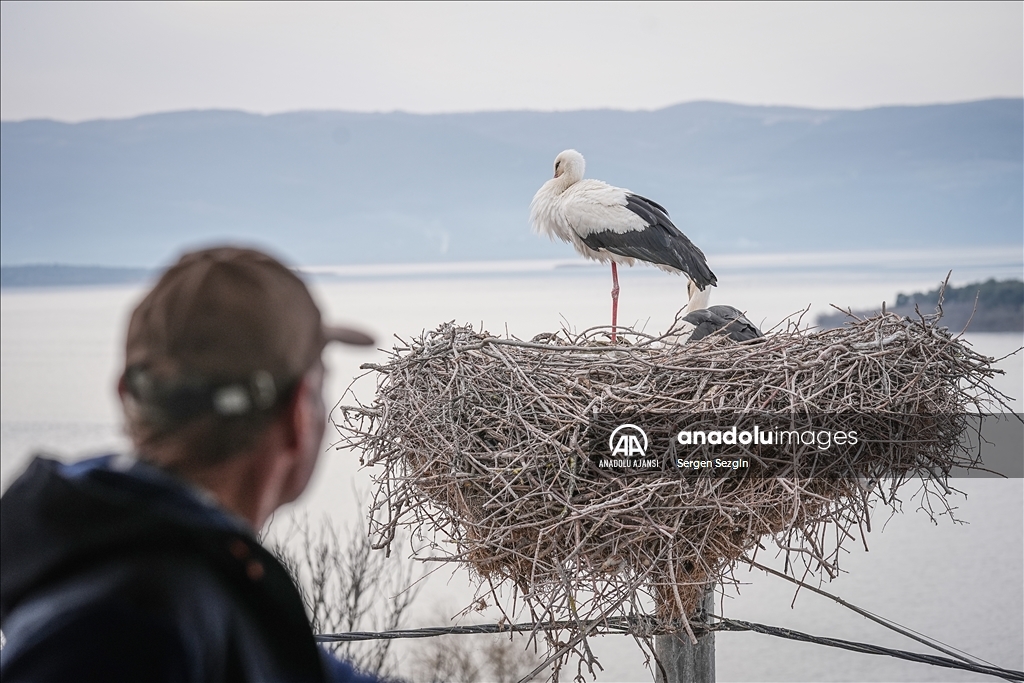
{"x":703,"y":277}
{"x":691,"y":260}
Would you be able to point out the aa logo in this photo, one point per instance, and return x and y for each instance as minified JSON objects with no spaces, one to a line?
{"x":628,"y":441}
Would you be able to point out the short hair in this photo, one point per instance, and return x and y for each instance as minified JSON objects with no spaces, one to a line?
{"x":204,"y":439}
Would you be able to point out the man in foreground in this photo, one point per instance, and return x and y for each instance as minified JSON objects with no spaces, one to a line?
{"x":147,"y":568}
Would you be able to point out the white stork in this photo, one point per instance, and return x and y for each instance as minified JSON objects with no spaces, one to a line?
{"x":607,"y":223}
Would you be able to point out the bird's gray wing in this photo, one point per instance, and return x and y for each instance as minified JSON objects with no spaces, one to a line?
{"x":740,"y":327}
{"x":728,"y":320}
{"x":661,"y":242}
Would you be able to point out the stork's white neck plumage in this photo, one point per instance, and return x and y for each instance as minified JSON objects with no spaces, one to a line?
{"x":699,"y":299}
{"x":546,"y":214}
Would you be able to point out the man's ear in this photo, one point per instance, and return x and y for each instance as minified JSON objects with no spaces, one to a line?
{"x":304,"y":416}
{"x":295,"y":415}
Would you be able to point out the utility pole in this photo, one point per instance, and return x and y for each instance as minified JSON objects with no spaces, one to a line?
{"x":683,"y":661}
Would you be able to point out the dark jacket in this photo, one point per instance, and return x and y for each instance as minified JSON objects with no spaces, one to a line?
{"x":115,"y":571}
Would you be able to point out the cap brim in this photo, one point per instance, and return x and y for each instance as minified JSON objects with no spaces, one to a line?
{"x":347,"y":335}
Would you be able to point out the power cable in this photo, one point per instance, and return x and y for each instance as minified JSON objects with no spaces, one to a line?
{"x":887,"y":623}
{"x":629,"y":625}
{"x":736,"y":625}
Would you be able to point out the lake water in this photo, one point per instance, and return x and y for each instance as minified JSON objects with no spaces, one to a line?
{"x":60,"y":353}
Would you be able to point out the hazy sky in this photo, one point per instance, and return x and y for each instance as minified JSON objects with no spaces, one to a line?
{"x":80,"y":61}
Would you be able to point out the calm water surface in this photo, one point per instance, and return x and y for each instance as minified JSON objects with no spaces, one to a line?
{"x":60,"y":352}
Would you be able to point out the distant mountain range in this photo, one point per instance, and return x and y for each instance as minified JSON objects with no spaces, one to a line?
{"x":346,"y":188}
{"x":54,"y":275}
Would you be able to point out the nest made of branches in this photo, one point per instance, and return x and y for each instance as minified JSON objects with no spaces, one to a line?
{"x":480,"y":445}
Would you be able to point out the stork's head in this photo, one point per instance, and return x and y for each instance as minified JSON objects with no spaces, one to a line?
{"x":569,"y":166}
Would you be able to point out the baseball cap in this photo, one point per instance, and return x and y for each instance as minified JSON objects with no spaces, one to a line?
{"x":227,"y":329}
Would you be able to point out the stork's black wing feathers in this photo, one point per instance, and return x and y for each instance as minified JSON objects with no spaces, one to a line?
{"x":710,"y":320}
{"x":661,"y":242}
{"x":651,"y":204}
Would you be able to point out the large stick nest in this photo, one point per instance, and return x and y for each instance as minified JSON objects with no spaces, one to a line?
{"x":480,"y":445}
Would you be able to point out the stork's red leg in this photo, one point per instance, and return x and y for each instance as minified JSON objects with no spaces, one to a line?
{"x":615,"y":299}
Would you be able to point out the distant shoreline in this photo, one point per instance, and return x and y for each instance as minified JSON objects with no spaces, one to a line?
{"x":990,"y":306}
{"x":1008,"y":259}
{"x":58,"y":275}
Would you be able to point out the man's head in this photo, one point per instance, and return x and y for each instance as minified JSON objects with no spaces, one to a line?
{"x":226,"y":345}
